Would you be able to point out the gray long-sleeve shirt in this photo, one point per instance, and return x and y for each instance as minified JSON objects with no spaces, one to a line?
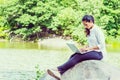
{"x":96,"y":38}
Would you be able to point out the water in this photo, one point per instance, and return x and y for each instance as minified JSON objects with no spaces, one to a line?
{"x":18,"y":59}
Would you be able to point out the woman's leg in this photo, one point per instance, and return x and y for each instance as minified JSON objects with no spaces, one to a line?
{"x":77,"y":57}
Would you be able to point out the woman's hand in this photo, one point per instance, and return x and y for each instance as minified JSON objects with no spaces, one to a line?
{"x":84,"y":49}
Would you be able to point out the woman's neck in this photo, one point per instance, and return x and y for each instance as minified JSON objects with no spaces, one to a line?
{"x":91,"y":26}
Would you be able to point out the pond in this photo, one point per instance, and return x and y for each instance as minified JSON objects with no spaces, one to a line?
{"x":18,"y":59}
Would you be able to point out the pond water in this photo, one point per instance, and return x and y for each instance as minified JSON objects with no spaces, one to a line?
{"x":18,"y":59}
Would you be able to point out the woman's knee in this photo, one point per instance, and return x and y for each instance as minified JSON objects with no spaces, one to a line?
{"x":75,"y":59}
{"x":74,"y":54}
{"x":100,"y":57}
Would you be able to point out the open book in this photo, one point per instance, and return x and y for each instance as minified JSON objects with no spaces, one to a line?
{"x":73,"y":48}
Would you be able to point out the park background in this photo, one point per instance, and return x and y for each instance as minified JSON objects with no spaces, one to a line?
{"x":25,"y":24}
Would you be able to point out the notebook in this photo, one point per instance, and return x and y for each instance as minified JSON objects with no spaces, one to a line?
{"x":74,"y":48}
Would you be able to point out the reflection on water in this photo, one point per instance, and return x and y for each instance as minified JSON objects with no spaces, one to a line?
{"x":18,"y":45}
{"x":29,"y":45}
{"x":112,"y":47}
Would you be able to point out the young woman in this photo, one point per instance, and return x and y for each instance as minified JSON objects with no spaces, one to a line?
{"x":95,"y":50}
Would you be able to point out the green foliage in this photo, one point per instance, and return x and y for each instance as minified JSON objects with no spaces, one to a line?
{"x":39,"y":73}
{"x":111,"y":13}
{"x":20,"y":15}
{"x":79,"y":35}
{"x":3,"y":32}
{"x":69,"y":18}
{"x":28,"y":17}
{"x":66,"y":20}
{"x":3,"y":29}
{"x":25,"y":33}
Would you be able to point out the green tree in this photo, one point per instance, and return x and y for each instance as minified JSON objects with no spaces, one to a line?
{"x":29,"y":18}
{"x":68,"y":20}
{"x":111,"y":17}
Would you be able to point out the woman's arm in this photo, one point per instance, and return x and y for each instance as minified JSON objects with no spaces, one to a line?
{"x":89,"y":48}
{"x":100,"y":41}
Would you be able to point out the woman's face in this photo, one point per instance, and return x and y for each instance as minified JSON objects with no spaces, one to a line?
{"x":87,"y":25}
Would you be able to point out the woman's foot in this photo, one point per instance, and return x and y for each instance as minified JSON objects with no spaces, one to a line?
{"x":54,"y":73}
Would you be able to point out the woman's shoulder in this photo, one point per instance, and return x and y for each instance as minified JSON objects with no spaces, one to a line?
{"x":97,"y":28}
{"x":99,"y":31}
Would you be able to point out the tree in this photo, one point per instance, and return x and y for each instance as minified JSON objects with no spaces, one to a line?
{"x":29,"y":18}
{"x":111,"y":16}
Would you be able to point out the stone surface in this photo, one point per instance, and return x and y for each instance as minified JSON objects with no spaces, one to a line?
{"x":90,"y":70}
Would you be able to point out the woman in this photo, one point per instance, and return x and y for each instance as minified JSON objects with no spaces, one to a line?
{"x":94,"y":51}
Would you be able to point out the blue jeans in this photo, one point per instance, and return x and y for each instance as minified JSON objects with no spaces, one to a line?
{"x":77,"y":57}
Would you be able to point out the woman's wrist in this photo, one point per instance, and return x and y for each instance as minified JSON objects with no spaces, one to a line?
{"x":90,"y":49}
{"x":93,"y":48}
